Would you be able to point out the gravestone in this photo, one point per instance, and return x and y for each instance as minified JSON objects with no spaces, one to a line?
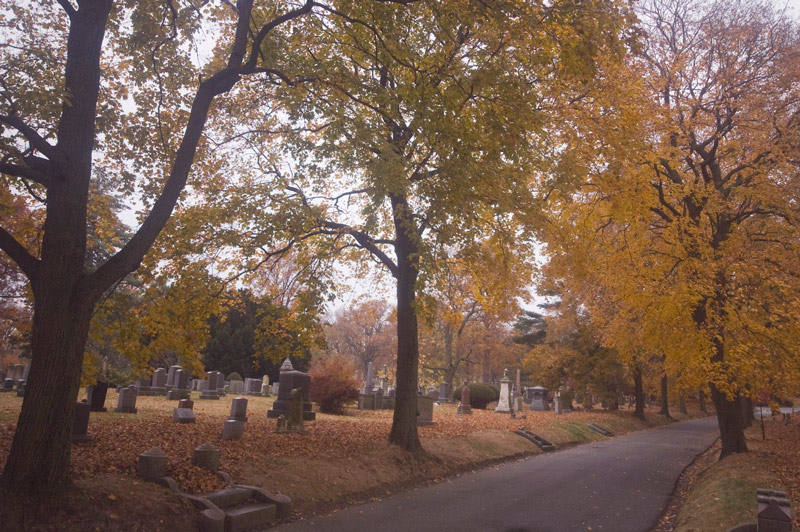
{"x":294,"y":422}
{"x":504,"y":403}
{"x":159,"y":378}
{"x":290,"y":380}
{"x":378,"y":399}
{"x":774,"y":511}
{"x":287,"y":365}
{"x":239,"y":409}
{"x":557,"y":407}
{"x":369,"y":379}
{"x":464,"y":405}
{"x":96,"y":396}
{"x":519,"y":384}
{"x":196,"y":385}
{"x":444,"y":392}
{"x":80,"y":426}
{"x":236,"y":387}
{"x":539,"y":402}
{"x":206,"y":456}
{"x":152,"y":464}
{"x":366,"y":401}
{"x":126,"y":402}
{"x":275,"y":388}
{"x":210,"y":391}
{"x":186,"y":403}
{"x":171,"y":382}
{"x":424,"y":410}
{"x":180,"y":389}
{"x":232,"y":430}
{"x":265,"y":386}
{"x":183,"y":416}
{"x":252,"y":386}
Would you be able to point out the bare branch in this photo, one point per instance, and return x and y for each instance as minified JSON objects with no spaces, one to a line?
{"x":36,"y":140}
{"x":26,"y":262}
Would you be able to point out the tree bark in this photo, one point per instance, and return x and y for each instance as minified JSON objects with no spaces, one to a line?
{"x":748,"y":415}
{"x":682,"y":405}
{"x":404,"y":422}
{"x":702,"y":396}
{"x":664,"y":397}
{"x":638,"y":387}
{"x":729,"y":417}
{"x":38,"y":461}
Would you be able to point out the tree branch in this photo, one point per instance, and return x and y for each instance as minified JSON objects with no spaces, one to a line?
{"x":26,"y":262}
{"x":36,"y":140}
{"x":25,"y":172}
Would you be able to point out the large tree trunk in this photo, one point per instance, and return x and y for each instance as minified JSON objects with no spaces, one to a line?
{"x":702,"y":397}
{"x":39,"y":458}
{"x":40,"y":454}
{"x":638,"y":387}
{"x":664,"y":397}
{"x":731,"y":426}
{"x":748,"y":414}
{"x":404,"y":423}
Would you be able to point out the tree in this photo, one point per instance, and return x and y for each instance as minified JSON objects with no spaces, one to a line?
{"x":432,"y":119}
{"x":464,"y":289}
{"x":63,"y":87}
{"x":682,"y":240}
{"x":364,"y":333}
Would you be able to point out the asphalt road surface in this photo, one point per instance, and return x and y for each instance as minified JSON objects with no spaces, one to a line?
{"x":621,"y":484}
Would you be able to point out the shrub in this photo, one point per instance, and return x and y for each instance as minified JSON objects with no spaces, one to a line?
{"x":234,"y":377}
{"x":332,"y":383}
{"x":481,"y":394}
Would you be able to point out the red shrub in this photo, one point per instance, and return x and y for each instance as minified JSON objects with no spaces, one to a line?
{"x":333,"y":384}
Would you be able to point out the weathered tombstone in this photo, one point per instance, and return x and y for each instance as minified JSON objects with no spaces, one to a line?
{"x":96,"y":396}
{"x":366,"y":401}
{"x":287,"y":365}
{"x":196,"y":385}
{"x":369,"y":379}
{"x":180,"y":387}
{"x":19,"y":372}
{"x":152,"y":464}
{"x":253,"y":386}
{"x":220,"y":377}
{"x":378,"y":399}
{"x":275,"y":388}
{"x":80,"y":426}
{"x":159,"y":378}
{"x":210,"y":391}
{"x":206,"y":456}
{"x":182,"y":379}
{"x":236,"y":387}
{"x":290,"y":380}
{"x":239,"y":409}
{"x":424,"y":410}
{"x":774,"y":511}
{"x":126,"y":402}
{"x":183,"y":416}
{"x":557,"y":404}
{"x":8,"y":384}
{"x":170,"y":382}
{"x":294,"y":423}
{"x":186,"y":403}
{"x":519,"y":383}
{"x":444,"y":392}
{"x":464,"y":405}
{"x":265,"y":386}
{"x":232,"y":430}
{"x":539,"y":402}
{"x":503,"y":404}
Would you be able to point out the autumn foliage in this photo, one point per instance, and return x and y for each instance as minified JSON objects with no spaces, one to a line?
{"x":333,"y":384}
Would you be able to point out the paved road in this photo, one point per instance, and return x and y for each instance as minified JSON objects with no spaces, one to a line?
{"x":618,"y":485}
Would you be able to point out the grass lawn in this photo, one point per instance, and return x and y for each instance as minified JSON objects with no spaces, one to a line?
{"x":725,"y":494}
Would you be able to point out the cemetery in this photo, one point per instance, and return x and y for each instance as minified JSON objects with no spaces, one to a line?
{"x":333,"y":460}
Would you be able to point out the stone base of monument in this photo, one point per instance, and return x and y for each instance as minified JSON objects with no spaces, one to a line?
{"x":237,"y":507}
